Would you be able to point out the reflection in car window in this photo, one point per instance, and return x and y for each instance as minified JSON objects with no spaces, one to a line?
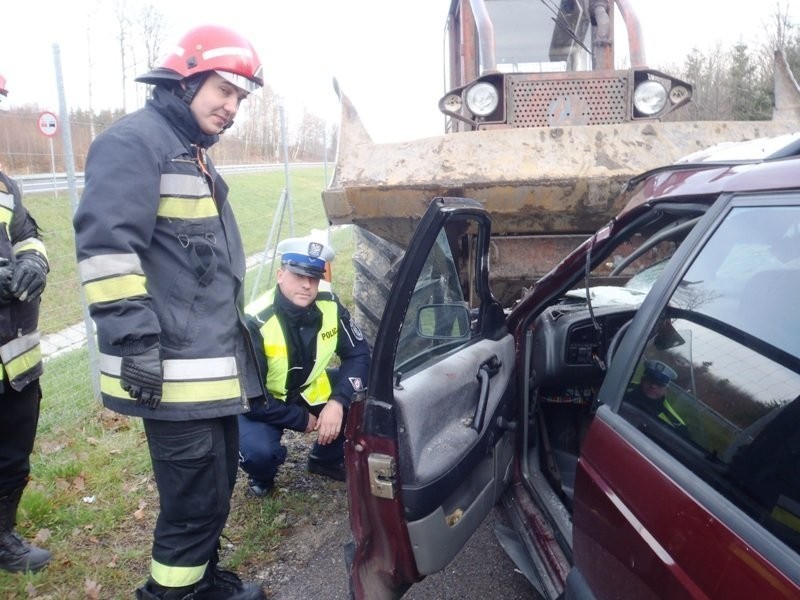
{"x":726,"y":352}
{"x":439,"y":284}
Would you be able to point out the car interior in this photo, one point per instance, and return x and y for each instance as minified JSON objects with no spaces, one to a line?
{"x":732,"y":321}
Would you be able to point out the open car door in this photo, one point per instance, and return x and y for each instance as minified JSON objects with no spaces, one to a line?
{"x":429,"y":446}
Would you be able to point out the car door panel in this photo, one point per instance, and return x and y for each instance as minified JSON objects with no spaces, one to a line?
{"x":429,"y":447}
{"x":448,"y":469}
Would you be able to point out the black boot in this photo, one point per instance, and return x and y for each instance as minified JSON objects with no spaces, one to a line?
{"x":15,"y":553}
{"x":152,"y":591}
{"x":218,"y":584}
{"x":221,"y":585}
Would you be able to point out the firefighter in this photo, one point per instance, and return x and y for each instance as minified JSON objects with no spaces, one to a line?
{"x":162,"y":265}
{"x":23,"y":273}
{"x":299,"y":330}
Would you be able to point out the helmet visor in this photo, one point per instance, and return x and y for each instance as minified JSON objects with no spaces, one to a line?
{"x":243,"y":83}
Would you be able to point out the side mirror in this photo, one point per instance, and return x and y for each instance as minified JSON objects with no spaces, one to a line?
{"x":443,"y":321}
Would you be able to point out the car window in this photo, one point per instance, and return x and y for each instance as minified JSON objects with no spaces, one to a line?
{"x":438,"y":318}
{"x":718,"y":384}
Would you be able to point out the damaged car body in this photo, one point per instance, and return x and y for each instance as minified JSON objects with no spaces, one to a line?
{"x":691,"y":493}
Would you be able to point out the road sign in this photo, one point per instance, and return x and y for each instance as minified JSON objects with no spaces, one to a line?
{"x":48,"y":123}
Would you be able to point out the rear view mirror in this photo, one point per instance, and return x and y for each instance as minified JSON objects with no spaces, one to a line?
{"x":443,"y":321}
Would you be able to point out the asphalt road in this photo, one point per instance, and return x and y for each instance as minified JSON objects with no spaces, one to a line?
{"x":482,"y":570}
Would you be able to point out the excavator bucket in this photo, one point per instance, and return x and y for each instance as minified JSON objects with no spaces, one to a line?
{"x":546,"y":188}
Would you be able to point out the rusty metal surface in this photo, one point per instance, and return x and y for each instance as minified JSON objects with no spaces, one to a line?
{"x":534,"y":180}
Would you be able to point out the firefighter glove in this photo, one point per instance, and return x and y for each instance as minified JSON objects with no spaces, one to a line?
{"x":141,"y":375}
{"x":30,"y":275}
{"x":6,"y":274}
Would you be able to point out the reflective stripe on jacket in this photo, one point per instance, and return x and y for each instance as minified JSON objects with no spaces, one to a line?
{"x":20,"y":352}
{"x":317,"y":388}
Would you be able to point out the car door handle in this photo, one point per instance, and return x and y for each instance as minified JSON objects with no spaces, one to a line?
{"x":488,"y":369}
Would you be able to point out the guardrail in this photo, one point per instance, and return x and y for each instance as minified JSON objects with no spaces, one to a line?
{"x":49,"y":182}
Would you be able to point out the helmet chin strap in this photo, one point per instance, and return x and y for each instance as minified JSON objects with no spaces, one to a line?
{"x":190,"y":85}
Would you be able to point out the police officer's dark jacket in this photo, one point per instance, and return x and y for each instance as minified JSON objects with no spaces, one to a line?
{"x":299,"y":343}
{"x":20,"y":352}
{"x":161,"y":261}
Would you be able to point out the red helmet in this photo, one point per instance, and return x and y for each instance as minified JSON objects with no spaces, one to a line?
{"x":210,"y":48}
{"x":3,"y":89}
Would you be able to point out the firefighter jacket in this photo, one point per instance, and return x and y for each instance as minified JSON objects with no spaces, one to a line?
{"x":298,"y":345}
{"x":20,"y":353}
{"x":161,"y":261}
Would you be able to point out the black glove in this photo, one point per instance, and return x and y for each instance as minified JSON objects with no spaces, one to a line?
{"x":6,"y":274}
{"x":142,"y":376}
{"x":30,"y":275}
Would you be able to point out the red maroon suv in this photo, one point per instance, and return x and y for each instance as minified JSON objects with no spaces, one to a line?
{"x":637,"y":412}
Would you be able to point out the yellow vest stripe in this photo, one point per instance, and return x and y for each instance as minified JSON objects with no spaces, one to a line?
{"x":187,"y":208}
{"x":115,"y":288}
{"x":175,"y":576}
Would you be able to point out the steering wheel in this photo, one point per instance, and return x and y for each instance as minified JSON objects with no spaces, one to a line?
{"x":612,"y":346}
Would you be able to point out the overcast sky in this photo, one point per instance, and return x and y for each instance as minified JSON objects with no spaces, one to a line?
{"x":386,"y":55}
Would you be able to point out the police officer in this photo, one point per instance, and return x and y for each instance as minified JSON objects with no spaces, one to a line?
{"x":650,"y":394}
{"x":23,"y":271}
{"x":162,"y":265}
{"x":300,"y":329}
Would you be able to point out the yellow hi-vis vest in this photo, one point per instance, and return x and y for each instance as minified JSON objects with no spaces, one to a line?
{"x":317,"y":388}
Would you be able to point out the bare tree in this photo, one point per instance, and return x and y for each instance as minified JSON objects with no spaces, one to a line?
{"x":123,"y":24}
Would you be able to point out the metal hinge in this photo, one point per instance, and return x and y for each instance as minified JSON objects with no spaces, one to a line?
{"x":382,"y":476}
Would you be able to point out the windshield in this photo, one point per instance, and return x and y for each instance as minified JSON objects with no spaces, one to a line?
{"x":535,"y":36}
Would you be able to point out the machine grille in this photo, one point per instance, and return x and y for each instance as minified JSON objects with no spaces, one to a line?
{"x":594,"y":101}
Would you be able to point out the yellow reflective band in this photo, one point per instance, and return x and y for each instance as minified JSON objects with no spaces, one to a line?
{"x":24,"y":362}
{"x":110,"y":386}
{"x":187,"y":208}
{"x":178,"y":391}
{"x":175,"y":576}
{"x":115,"y":288}
{"x":201,"y":391}
{"x":30,"y":244}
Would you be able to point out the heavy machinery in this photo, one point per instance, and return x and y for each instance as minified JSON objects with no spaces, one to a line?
{"x":540,"y":127}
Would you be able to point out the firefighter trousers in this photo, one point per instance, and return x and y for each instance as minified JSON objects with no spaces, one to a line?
{"x":19,"y":417}
{"x":194,"y":465}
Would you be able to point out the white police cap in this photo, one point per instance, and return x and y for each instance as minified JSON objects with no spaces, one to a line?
{"x":305,"y":256}
{"x":659,"y":372}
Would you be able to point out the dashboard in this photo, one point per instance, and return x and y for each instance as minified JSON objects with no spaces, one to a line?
{"x":570,"y":347}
